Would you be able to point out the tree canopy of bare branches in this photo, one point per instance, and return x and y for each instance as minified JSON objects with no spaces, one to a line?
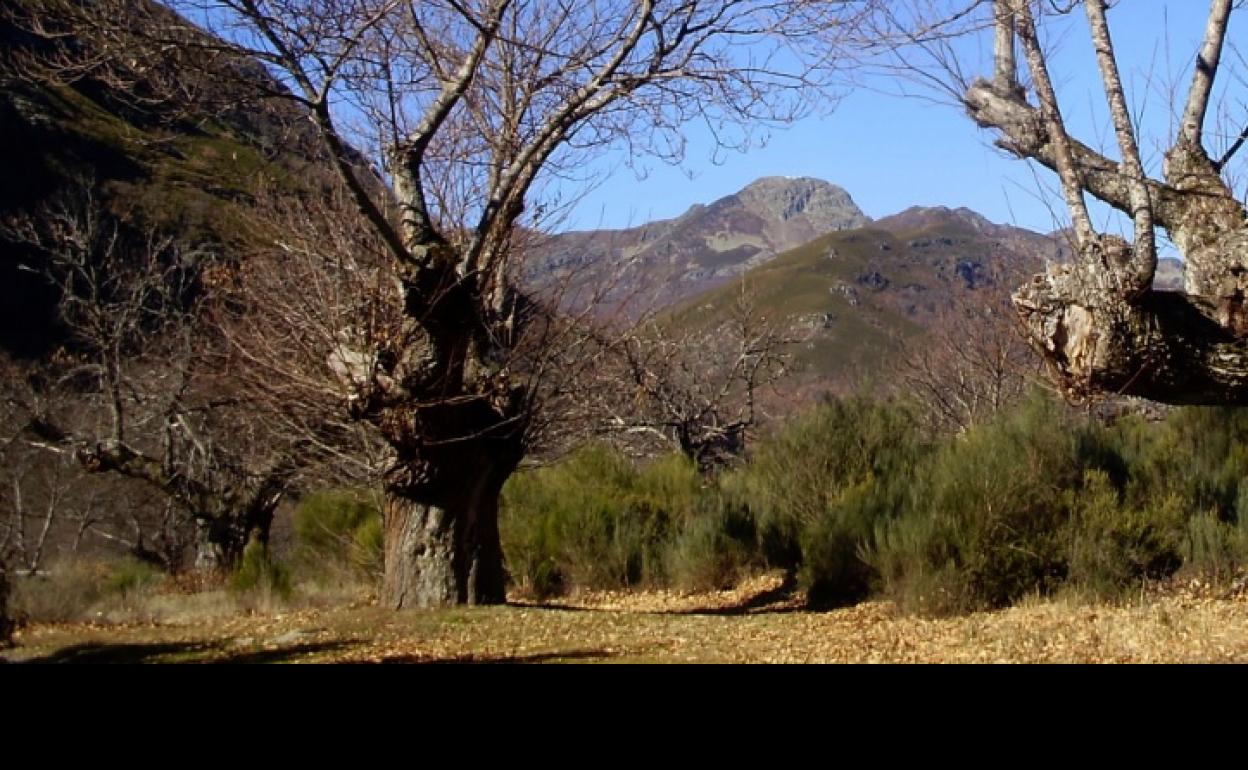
{"x":138,"y":390}
{"x":467,"y":110}
{"x":1096,"y":321}
{"x":670,"y":383}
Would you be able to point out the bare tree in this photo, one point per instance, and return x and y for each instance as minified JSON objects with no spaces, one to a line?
{"x":687,"y":382}
{"x":473,"y":107}
{"x":138,"y":391}
{"x":972,"y":363}
{"x":1096,"y":321}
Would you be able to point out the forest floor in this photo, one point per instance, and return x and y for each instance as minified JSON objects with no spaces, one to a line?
{"x":757,"y":622}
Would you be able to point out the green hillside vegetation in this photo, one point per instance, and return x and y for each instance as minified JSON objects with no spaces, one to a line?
{"x":857,"y":293}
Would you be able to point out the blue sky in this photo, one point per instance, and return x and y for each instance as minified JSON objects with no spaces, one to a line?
{"x":891,"y":152}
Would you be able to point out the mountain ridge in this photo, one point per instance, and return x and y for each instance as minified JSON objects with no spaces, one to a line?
{"x":704,"y":246}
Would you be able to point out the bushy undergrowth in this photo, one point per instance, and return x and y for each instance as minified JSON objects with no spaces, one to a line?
{"x":817,"y":490}
{"x":339,"y":534}
{"x":78,"y":590}
{"x":598,"y":520}
{"x":851,"y":499}
{"x":260,"y":574}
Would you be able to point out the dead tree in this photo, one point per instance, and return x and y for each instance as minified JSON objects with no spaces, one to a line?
{"x":687,"y":381}
{"x":972,"y":363}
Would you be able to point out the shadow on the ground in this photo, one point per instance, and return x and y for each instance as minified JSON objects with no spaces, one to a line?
{"x":773,"y":601}
{"x":182,"y":652}
{"x":555,"y":656}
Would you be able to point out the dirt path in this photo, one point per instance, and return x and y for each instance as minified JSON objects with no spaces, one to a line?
{"x":740,"y":626}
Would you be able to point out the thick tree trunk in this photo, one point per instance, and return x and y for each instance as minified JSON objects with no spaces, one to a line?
{"x":6,"y":625}
{"x":220,"y":541}
{"x":1163,"y":346}
{"x":444,"y":549}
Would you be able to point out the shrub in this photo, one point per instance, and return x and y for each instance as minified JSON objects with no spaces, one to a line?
{"x":596,"y":520}
{"x":982,"y":525}
{"x":1111,"y":547}
{"x":1213,"y":548}
{"x":713,"y":551}
{"x":130,"y":575}
{"x":818,"y":488}
{"x":259,"y":572}
{"x":79,"y":589}
{"x":1198,"y":455}
{"x":341,"y":529}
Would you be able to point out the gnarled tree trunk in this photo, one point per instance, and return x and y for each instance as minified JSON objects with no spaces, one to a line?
{"x":457,"y":427}
{"x":221,"y":540}
{"x":446,"y":552}
{"x":442,"y":544}
{"x":1097,"y":322}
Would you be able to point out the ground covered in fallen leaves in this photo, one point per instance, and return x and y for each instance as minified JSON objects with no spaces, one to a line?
{"x":757,"y":622}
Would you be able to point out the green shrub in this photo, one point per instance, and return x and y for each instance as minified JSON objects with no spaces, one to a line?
{"x":850,"y":497}
{"x":712,"y":551}
{"x":833,"y":570}
{"x":131,"y":575}
{"x":340,"y":529}
{"x":597,"y":520}
{"x":817,"y":489}
{"x":259,"y":572}
{"x":1213,"y":548}
{"x":1111,"y":547}
{"x":1198,"y":455}
{"x":982,"y":525}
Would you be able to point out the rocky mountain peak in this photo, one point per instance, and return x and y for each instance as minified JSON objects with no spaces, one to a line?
{"x":824,"y":206}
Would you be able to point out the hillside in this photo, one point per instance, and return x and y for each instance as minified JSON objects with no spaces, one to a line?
{"x":853,"y":295}
{"x":177,"y":149}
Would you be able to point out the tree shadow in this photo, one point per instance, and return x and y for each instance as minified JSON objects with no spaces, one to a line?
{"x":182,"y":652}
{"x":772,"y":601}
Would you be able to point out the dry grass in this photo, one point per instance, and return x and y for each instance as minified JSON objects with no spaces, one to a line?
{"x":1188,"y":625}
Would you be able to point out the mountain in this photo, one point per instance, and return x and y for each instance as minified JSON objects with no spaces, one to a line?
{"x":667,"y":260}
{"x":178,"y":148}
{"x":853,"y":295}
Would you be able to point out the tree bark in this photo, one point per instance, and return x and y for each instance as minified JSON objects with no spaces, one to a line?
{"x":444,"y":400}
{"x":444,"y":549}
{"x":6,"y":625}
{"x":1163,"y":346}
{"x":1096,"y":323}
{"x":221,"y":540}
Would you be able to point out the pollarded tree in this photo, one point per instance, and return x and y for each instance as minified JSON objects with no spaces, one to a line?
{"x":473,"y":105}
{"x":1097,"y":321}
